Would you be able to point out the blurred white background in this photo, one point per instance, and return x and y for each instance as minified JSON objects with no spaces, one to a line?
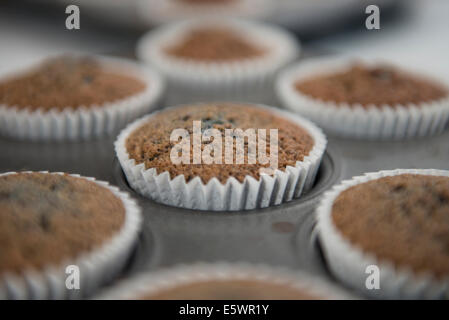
{"x":420,"y":40}
{"x":419,"y":37}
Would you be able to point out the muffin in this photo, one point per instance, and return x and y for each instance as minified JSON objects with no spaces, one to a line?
{"x":51,"y":221}
{"x":75,"y":97}
{"x":153,"y":12}
{"x":365,"y":99}
{"x":221,"y":156}
{"x":209,"y":60}
{"x":224,"y":282}
{"x":395,"y":220}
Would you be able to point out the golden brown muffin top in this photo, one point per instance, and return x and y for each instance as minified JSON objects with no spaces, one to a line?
{"x":365,"y":85}
{"x":68,"y":82}
{"x":150,"y":143}
{"x":403,"y":219}
{"x":231,"y":290}
{"x":215,"y":44}
{"x":46,"y":219}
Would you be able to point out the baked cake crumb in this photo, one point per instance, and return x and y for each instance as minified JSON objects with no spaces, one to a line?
{"x":214,"y":44}
{"x":68,"y":82}
{"x":46,"y":219}
{"x":403,"y":219}
{"x":365,"y":85}
{"x":150,"y":143}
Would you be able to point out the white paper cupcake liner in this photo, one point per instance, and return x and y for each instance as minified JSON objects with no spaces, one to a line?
{"x":283,"y":186}
{"x":153,"y":12}
{"x":85,"y":122}
{"x":95,"y":268}
{"x":348,"y":262}
{"x":355,"y":121}
{"x":249,"y":80}
{"x":154,"y":282}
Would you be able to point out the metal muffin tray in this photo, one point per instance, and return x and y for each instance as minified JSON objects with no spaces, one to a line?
{"x":281,"y":235}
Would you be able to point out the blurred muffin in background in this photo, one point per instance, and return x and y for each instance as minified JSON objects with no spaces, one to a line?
{"x":224,"y":281}
{"x":206,"y":60}
{"x":75,"y":97}
{"x":367,"y":99}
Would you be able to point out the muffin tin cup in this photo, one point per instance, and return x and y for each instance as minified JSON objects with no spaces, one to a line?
{"x":158,"y":281}
{"x":95,"y":268}
{"x":269,"y":190}
{"x":354,"y":121}
{"x":87,"y":122}
{"x":249,"y":80}
{"x":153,"y":12}
{"x":348,"y":262}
